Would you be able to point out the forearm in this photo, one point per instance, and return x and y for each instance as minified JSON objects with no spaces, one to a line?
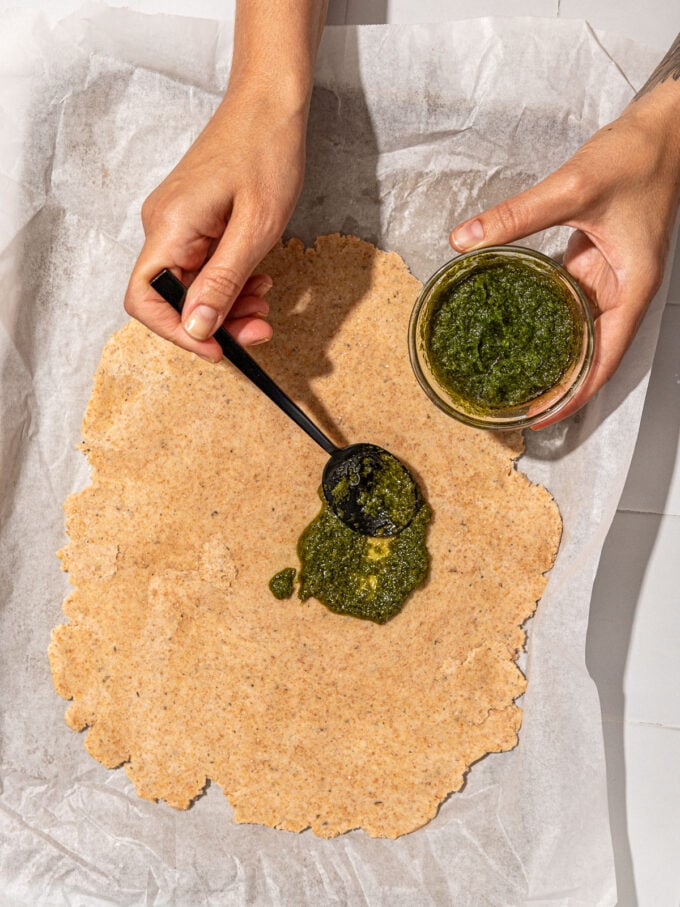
{"x":656,"y":107}
{"x":275,"y":47}
{"x":227,"y":202}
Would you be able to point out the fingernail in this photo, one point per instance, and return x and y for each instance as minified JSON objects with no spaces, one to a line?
{"x":468,"y":235}
{"x":202,"y":322}
{"x":210,"y":359}
{"x":258,"y":342}
{"x":261,"y":288}
{"x":262,"y":309}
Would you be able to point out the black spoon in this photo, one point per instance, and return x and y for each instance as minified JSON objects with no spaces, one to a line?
{"x":357,"y":467}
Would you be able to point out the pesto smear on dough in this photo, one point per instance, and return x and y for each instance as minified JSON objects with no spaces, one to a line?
{"x":282,"y":583}
{"x":363,"y":576}
{"x":501,"y":336}
{"x":356,"y":574}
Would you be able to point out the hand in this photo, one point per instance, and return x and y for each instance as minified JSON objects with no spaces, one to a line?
{"x":620,"y":191}
{"x":215,"y":216}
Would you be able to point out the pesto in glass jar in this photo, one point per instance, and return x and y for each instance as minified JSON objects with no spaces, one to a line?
{"x":502,"y":335}
{"x":501,"y":338}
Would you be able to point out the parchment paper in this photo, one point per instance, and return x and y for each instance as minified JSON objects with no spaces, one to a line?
{"x":411,"y":130}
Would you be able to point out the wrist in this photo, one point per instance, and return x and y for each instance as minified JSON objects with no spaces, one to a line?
{"x":275,"y":46}
{"x":651,"y":125}
{"x":281,"y":93}
{"x":657,"y":113}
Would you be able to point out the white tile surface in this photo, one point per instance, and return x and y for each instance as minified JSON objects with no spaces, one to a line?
{"x":652,"y":792}
{"x":655,"y":22}
{"x":633,"y":647}
{"x":337,"y":12}
{"x":208,"y":9}
{"x":650,"y":682}
{"x":644,"y":804}
{"x":653,"y":483}
{"x":365,"y":12}
{"x":633,"y":652}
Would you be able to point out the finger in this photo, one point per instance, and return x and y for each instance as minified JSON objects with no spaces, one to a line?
{"x":587,"y":264}
{"x":255,"y":288}
{"x":248,"y":307}
{"x":224,"y":276}
{"x":257,"y":285}
{"x":557,"y":199}
{"x":143,"y":303}
{"x":614,"y":332}
{"x":249,"y":331}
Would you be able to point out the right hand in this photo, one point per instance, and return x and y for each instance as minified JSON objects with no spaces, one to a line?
{"x":215,"y":217}
{"x":620,"y":192}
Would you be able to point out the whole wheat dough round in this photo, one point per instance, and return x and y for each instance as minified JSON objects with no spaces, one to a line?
{"x":177,"y":657}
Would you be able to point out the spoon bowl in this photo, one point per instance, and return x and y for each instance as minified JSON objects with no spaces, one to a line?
{"x":370,"y":490}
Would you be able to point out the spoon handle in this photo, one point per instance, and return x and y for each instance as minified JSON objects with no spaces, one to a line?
{"x":173,"y":291}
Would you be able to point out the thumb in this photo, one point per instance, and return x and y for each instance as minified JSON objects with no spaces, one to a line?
{"x":555,"y":200}
{"x":221,"y":280}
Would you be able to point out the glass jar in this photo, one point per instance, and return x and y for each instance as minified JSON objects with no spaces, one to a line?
{"x":520,"y":337}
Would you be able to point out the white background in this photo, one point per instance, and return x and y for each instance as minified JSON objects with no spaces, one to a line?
{"x":633,"y":650}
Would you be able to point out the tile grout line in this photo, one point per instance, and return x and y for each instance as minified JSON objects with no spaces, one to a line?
{"x":611,"y":719}
{"x":647,"y":512}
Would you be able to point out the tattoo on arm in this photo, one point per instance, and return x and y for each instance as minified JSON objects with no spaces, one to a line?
{"x":669,"y":67}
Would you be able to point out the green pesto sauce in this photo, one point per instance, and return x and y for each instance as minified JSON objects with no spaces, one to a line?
{"x":381,"y":488}
{"x":501,"y":336}
{"x":366,"y":577}
{"x":392,"y":491}
{"x":281,"y":584}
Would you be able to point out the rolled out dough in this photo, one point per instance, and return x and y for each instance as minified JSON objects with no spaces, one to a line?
{"x":177,"y":657}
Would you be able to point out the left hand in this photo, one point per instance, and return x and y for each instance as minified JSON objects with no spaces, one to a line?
{"x":620,"y":192}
